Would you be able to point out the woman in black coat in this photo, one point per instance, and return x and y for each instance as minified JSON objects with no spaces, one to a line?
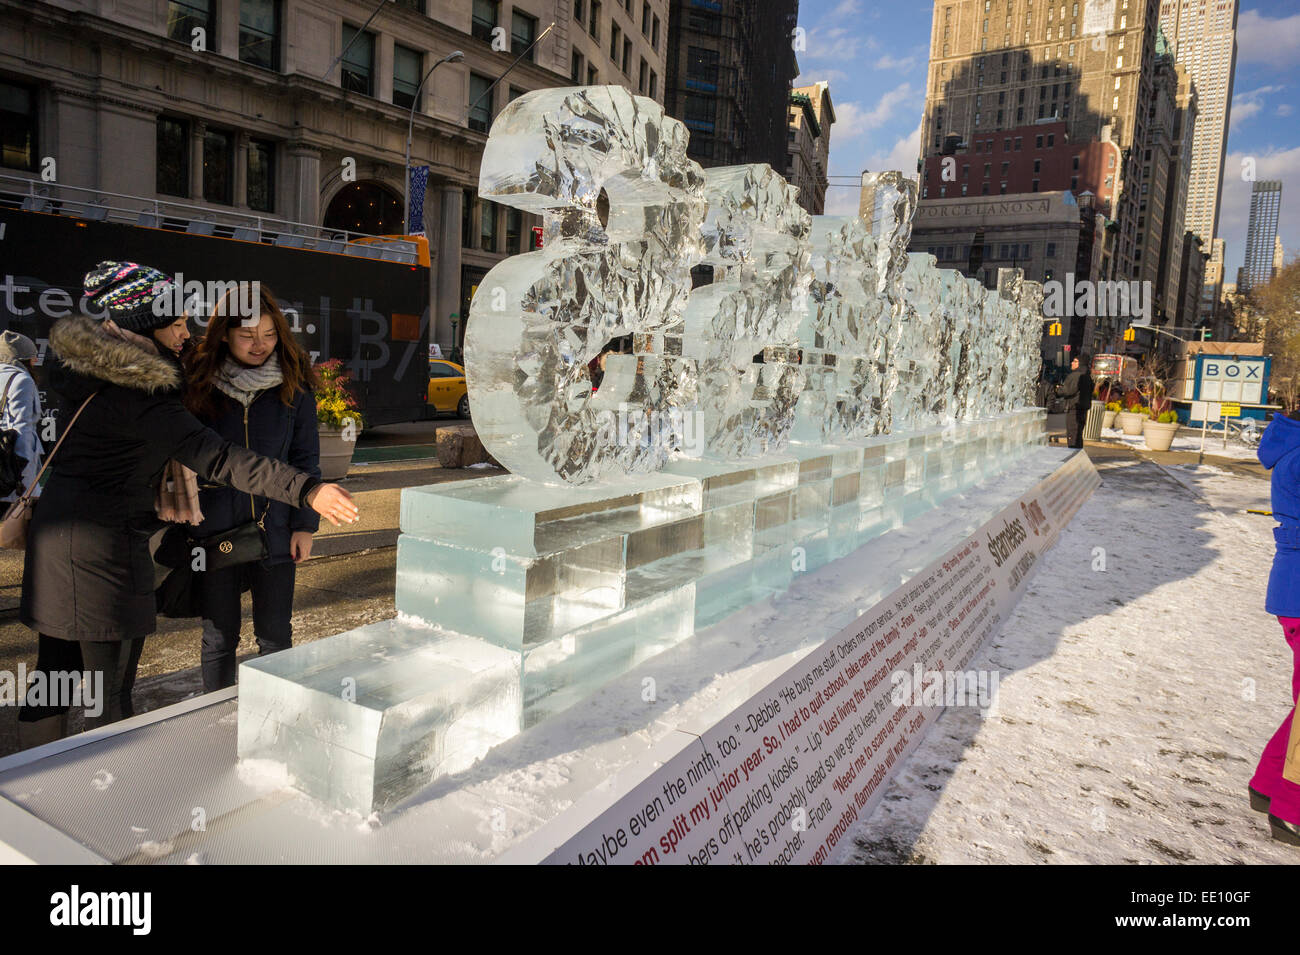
{"x":88,"y":578}
{"x":252,"y":383}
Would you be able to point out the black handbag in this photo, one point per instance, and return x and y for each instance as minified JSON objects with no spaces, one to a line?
{"x":244,"y":544}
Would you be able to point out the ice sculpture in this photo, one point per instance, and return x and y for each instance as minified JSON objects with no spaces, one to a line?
{"x":755,"y":237}
{"x":837,"y":387}
{"x":844,"y":319}
{"x":621,"y":207}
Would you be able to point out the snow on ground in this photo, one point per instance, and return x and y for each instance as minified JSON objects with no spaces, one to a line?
{"x":1188,"y":439}
{"x":1134,"y":701}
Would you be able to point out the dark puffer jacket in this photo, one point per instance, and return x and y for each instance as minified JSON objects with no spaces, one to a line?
{"x":88,"y":574}
{"x":276,"y":431}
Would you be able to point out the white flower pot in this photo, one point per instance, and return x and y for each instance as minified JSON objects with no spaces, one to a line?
{"x":1108,"y":419}
{"x":336,"y":452}
{"x":1159,"y":436}
{"x":1129,"y":422}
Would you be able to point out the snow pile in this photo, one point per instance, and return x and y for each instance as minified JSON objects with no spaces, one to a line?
{"x":1134,"y":700}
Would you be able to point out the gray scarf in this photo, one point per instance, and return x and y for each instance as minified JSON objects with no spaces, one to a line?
{"x":243,"y":383}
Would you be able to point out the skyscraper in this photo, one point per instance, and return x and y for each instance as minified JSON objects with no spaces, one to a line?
{"x":1261,"y":235}
{"x":1204,"y":39}
{"x":730,"y":65}
{"x":1007,"y":66}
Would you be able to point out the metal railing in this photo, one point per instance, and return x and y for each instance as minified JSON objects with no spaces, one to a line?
{"x":97,"y":205}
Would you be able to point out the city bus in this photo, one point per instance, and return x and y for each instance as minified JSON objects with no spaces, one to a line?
{"x":362,"y":299}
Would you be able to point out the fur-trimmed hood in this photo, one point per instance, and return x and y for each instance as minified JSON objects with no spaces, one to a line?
{"x":85,"y":348}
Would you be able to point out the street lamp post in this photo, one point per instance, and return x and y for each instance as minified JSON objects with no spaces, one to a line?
{"x":410,"y":124}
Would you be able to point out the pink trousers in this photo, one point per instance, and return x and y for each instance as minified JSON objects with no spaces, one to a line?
{"x":1268,"y":779}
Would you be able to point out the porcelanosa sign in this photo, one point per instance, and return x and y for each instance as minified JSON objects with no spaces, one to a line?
{"x":785,"y":777}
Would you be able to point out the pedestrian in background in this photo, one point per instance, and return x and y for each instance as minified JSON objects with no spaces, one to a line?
{"x":88,"y":578}
{"x":20,"y":409}
{"x":1077,"y":392}
{"x":1269,"y":791}
{"x":253,"y":384}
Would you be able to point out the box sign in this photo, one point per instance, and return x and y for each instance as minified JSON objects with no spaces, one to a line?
{"x":1232,"y":378}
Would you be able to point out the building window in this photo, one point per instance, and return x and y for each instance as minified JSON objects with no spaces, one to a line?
{"x":359,"y":62}
{"x":1002,"y":190}
{"x":407,"y":64}
{"x":1051,"y":250}
{"x":1038,"y":165}
{"x":523,"y":33}
{"x":484,"y":19}
{"x":627,"y":57}
{"x":1034,"y":186}
{"x":699,"y":113}
{"x":654,"y":85}
{"x":615,"y":35}
{"x":643,"y":76}
{"x":259,"y":33}
{"x":645,"y":20}
{"x":172,"y":157}
{"x":1051,"y":140}
{"x":654,"y":32}
{"x":218,"y":183}
{"x":594,"y":26}
{"x":701,"y":69}
{"x":579,"y":7}
{"x":17,"y":126}
{"x":593,"y":76}
{"x":261,"y":175}
{"x":488,"y":226}
{"x":575,"y":67}
{"x":1018,"y":142}
{"x":1038,"y":142}
{"x":480,"y":102}
{"x":186,"y":16}
{"x":514,"y":231}
{"x":467,"y":220}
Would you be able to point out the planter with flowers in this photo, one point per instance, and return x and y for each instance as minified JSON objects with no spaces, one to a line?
{"x":338,"y":419}
{"x":1108,"y":416}
{"x":1161,"y":425}
{"x":1130,"y":420}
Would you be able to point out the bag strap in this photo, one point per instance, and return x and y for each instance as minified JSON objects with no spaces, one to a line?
{"x":58,"y":444}
{"x":4,"y":398}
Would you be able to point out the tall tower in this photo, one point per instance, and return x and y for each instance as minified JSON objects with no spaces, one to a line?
{"x":1204,"y":38}
{"x":1003,"y":65}
{"x":1261,"y":235}
{"x":730,"y":66}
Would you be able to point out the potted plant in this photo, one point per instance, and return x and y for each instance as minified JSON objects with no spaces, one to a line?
{"x":1130,"y":420}
{"x":1161,"y":425}
{"x":1108,"y":417}
{"x":338,"y":419}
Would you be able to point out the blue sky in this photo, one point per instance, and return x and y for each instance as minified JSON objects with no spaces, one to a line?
{"x":874,"y":55}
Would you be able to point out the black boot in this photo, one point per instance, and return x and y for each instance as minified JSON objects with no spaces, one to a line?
{"x":1284,"y":831}
{"x":1258,"y":801}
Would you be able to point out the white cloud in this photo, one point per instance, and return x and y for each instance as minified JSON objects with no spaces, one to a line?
{"x":854,"y":119}
{"x":1284,"y":109}
{"x":1250,"y":103}
{"x":888,"y":62}
{"x":1267,"y":40}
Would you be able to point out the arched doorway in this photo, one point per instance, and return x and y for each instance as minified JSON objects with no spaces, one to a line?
{"x":369,"y":207}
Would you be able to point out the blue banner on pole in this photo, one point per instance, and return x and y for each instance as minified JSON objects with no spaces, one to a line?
{"x":419,"y":182}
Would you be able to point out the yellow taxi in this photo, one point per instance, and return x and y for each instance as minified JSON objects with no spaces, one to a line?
{"x":447,"y":387}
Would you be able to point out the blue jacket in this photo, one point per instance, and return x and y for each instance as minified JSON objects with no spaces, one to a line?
{"x":278,"y":432}
{"x":1277,"y":452}
{"x":22,"y":413}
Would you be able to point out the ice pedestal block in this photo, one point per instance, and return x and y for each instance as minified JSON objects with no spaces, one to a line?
{"x":516,"y":599}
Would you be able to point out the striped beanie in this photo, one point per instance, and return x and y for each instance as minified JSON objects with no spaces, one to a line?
{"x":127,"y":290}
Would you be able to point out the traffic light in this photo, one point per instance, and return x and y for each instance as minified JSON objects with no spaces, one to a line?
{"x":1054,"y":329}
{"x":1206,"y":334}
{"x":1130,"y":335}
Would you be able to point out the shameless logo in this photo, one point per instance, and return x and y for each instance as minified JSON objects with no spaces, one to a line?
{"x":1003,"y":544}
{"x":1034,"y":515}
